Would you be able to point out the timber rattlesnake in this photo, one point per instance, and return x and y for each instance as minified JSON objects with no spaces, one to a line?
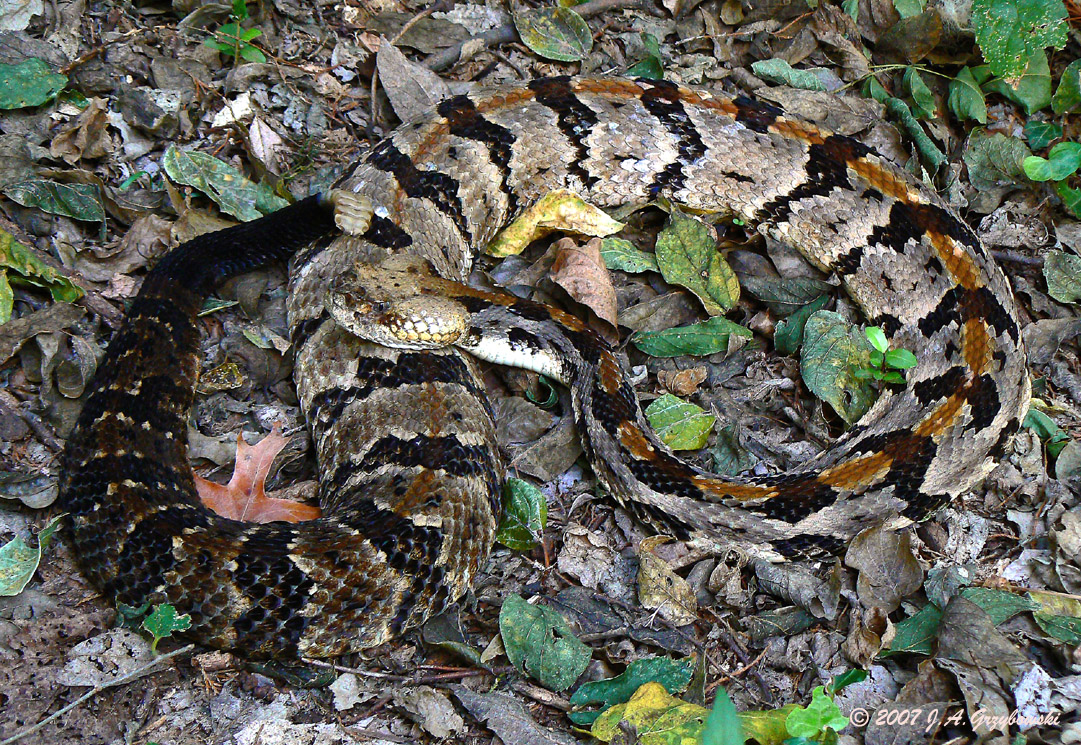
{"x":410,"y":473}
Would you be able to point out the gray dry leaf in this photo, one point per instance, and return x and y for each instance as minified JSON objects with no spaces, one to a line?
{"x":589,"y":557}
{"x":105,"y":658}
{"x":508,"y":718}
{"x":48,"y":320}
{"x":819,"y":597}
{"x":432,"y":710}
{"x":411,"y":88}
{"x":888,"y":571}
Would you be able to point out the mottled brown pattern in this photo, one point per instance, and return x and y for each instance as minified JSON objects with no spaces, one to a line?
{"x":404,"y":439}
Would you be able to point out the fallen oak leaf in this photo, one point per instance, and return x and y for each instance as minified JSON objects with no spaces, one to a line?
{"x":580,"y":271}
{"x":244,"y":497}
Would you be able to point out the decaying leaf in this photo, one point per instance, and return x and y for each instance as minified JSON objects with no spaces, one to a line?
{"x":556,"y":210}
{"x":581,"y":272}
{"x":539,"y":642}
{"x":244,"y":497}
{"x":661,"y":588}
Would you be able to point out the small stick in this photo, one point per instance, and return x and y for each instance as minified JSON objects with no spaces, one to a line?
{"x":95,"y":691}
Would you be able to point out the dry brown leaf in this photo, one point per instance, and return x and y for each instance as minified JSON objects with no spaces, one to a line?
{"x":244,"y":497}
{"x":86,"y":137}
{"x":682,"y":382}
{"x":561,"y":209}
{"x":661,"y":588}
{"x":580,"y":271}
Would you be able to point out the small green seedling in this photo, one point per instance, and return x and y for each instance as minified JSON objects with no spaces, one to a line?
{"x":885,"y":364}
{"x":162,"y":622}
{"x":813,"y":722}
{"x":235,"y":42}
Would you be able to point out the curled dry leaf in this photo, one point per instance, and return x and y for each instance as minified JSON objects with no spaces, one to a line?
{"x":86,"y":137}
{"x":561,"y":209}
{"x":682,"y":382}
{"x":244,"y":497}
{"x":888,"y":571}
{"x":580,"y":271}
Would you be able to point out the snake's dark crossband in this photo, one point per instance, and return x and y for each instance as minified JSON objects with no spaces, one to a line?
{"x":405,"y":443}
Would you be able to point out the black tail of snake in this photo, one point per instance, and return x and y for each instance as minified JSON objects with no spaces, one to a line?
{"x":410,"y":473}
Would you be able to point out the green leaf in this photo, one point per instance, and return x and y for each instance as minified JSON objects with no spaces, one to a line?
{"x":786,"y":295}
{"x":28,"y":83}
{"x":687,"y":255}
{"x":78,"y":201}
{"x":240,"y":10}
{"x":674,"y":675}
{"x":994,"y":160}
{"x":1062,"y":162}
{"x":788,"y":336}
{"x":832,"y":352}
{"x":1064,"y":628}
{"x":1000,"y":605}
{"x":680,"y":424}
{"x":916,"y":634}
{"x":525,"y":515}
{"x":1063,"y":274}
{"x":925,"y":145}
{"x":1068,"y":94}
{"x":1032,"y":91}
{"x":1010,"y":33}
{"x":900,"y":359}
{"x":729,"y":457}
{"x":920,"y":93}
{"x":1041,"y":134}
{"x":723,"y":726}
{"x":555,"y":33}
{"x":877,"y":337}
{"x":539,"y":642}
{"x":252,"y":54}
{"x":908,"y":8}
{"x":845,"y":679}
{"x":1045,"y":428}
{"x":777,"y":70}
{"x":621,"y":254}
{"x":1071,"y":197}
{"x":19,"y":264}
{"x":164,"y":621}
{"x":820,"y":714}
{"x":965,"y":99}
{"x":652,"y":67}
{"x":227,"y":186}
{"x":698,"y":339}
{"x":18,"y":561}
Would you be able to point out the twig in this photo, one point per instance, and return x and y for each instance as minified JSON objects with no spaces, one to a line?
{"x":138,"y":672}
{"x":11,"y":405}
{"x":1016,"y":258}
{"x":737,"y":673}
{"x":507,"y":33}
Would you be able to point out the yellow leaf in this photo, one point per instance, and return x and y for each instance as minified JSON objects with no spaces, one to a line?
{"x":557,"y":210}
{"x":659,"y":718}
{"x":661,"y":588}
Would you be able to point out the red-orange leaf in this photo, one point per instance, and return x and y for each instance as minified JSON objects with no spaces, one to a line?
{"x":244,"y":497}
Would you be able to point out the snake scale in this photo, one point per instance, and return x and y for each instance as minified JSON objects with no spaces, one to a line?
{"x":410,"y":473}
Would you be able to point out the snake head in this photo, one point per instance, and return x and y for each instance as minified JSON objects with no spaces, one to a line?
{"x":387,"y":305}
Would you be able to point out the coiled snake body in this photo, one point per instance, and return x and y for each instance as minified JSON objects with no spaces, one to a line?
{"x":410,"y":473}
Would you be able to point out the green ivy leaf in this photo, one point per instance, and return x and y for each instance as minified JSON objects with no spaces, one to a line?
{"x":1010,"y":33}
{"x":227,"y":186}
{"x":916,"y":634}
{"x":78,"y":201}
{"x":788,"y":336}
{"x":525,"y":515}
{"x":555,"y":33}
{"x":539,"y":642}
{"x":680,"y":424}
